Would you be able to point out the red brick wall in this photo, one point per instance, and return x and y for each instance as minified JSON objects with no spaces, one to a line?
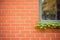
{"x":17,"y":19}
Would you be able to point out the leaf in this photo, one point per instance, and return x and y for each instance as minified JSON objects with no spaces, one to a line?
{"x":51,"y":25}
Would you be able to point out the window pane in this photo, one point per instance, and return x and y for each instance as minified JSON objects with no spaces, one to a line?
{"x":49,"y":10}
{"x":58,"y":9}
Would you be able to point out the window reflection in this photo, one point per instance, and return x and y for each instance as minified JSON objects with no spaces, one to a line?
{"x":50,"y":10}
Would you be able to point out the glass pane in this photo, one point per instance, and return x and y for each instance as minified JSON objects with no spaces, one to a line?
{"x":49,"y":10}
{"x":58,"y":9}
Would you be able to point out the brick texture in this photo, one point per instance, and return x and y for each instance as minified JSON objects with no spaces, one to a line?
{"x":17,"y":19}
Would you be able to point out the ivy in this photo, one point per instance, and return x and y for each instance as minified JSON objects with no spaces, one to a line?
{"x":46,"y":25}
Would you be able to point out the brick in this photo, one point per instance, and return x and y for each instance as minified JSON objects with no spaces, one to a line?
{"x":57,"y":34}
{"x":19,"y":3}
{"x":31,"y":7}
{"x":20,"y":6}
{"x":28,"y":0}
{"x":55,"y":38}
{"x":15,"y":39}
{"x":19,"y":11}
{"x":52,"y":31}
{"x":50,"y":34}
{"x":7,"y":7}
{"x":19,"y":28}
{"x":35,"y":11}
{"x":10,"y":21}
{"x":6,"y":0}
{"x":25,"y":38}
{"x":5,"y":31}
{"x":45,"y":38}
{"x":3,"y":34}
{"x":29,"y":34}
{"x":5,"y":38}
{"x":39,"y":35}
{"x":34,"y":38}
{"x":2,"y":28}
{"x":11,"y":28}
{"x":4,"y":11}
{"x":17,"y":25}
{"x":2,"y":21}
{"x":10,"y":35}
{"x":35,"y":31}
{"x":5,"y":25}
{"x":15,"y":31}
{"x":20,"y":35}
{"x":25,"y":32}
{"x":4,"y":18}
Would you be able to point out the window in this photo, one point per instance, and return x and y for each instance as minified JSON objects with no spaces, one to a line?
{"x":49,"y":10}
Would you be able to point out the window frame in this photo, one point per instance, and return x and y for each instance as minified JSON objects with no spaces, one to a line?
{"x":40,"y":14}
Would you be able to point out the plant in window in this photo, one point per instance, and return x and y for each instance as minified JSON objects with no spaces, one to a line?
{"x":46,"y":25}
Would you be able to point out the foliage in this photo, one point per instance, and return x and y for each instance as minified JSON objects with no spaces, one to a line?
{"x":46,"y":25}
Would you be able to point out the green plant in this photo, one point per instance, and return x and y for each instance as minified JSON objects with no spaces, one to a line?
{"x":46,"y":25}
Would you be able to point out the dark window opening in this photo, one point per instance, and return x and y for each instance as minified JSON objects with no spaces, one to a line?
{"x":51,"y":9}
